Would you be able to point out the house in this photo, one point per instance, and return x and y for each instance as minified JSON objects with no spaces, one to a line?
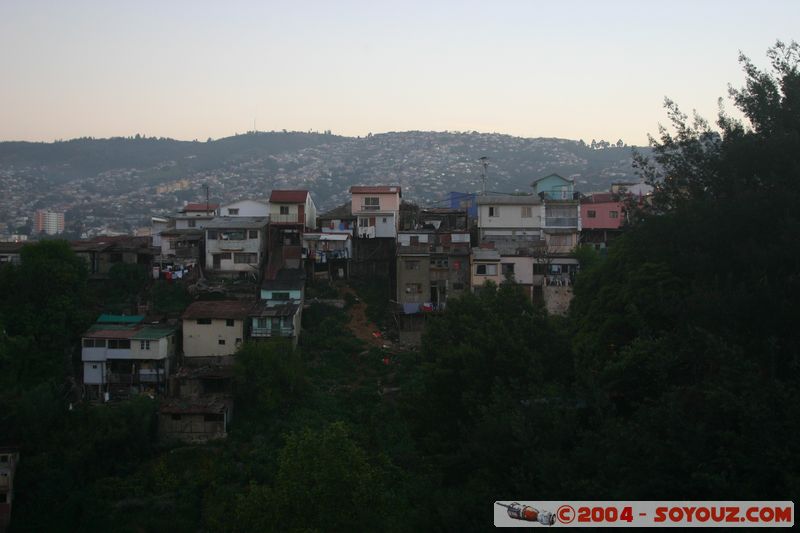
{"x":337,"y":220}
{"x":484,"y":266}
{"x":194,"y":420}
{"x":214,"y":330}
{"x":432,"y":266}
{"x":200,"y":210}
{"x":181,"y":245}
{"x":554,"y":187}
{"x":10,"y":252}
{"x":102,"y":253}
{"x":509,"y":215}
{"x":328,"y":254}
{"x":377,"y":209}
{"x":157,"y":225}
{"x":273,"y":319}
{"x":122,"y":356}
{"x":561,"y":214}
{"x":235,"y":246}
{"x":602,"y":218}
{"x":9,"y":457}
{"x":292,"y":208}
{"x":523,"y":260}
{"x":245,"y":208}
{"x":464,"y":201}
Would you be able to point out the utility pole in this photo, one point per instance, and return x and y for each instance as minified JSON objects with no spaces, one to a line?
{"x":484,"y":161}
{"x":205,"y":186}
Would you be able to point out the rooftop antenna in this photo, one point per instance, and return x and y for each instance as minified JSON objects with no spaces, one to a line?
{"x":484,"y":161}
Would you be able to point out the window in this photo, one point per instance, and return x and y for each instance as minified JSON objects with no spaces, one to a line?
{"x":507,"y":269}
{"x":412,"y":265}
{"x":527,"y":212}
{"x":234,"y":235}
{"x":613,"y":214}
{"x":144,"y":345}
{"x":192,"y":223}
{"x":233,"y":212}
{"x":363,"y":222}
{"x":539,"y":269}
{"x":591,"y":213}
{"x":229,"y":322}
{"x":560,"y":240}
{"x":384,"y":220}
{"x":280,"y":295}
{"x":284,"y":210}
{"x":494,"y":211}
{"x":413,"y":288}
{"x":239,"y":258}
{"x":94,"y":343}
{"x":4,"y":458}
{"x":486,"y":270}
{"x":94,"y":367}
{"x":253,"y":234}
{"x":372,"y":202}
{"x":119,"y":344}
{"x":203,"y":321}
{"x":212,"y":235}
{"x":414,"y":239}
{"x":221,"y":342}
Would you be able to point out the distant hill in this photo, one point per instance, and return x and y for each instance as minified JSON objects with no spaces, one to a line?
{"x":118,"y":183}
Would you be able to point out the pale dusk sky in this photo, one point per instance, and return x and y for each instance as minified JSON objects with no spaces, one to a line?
{"x":193,"y":70}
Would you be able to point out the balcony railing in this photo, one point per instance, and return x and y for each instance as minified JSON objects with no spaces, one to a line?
{"x":370,"y":207}
{"x":561,"y":222}
{"x":272,"y":332}
{"x":287,"y":219}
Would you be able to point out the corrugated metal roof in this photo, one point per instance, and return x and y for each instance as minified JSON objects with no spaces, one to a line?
{"x":151,"y":332}
{"x":119,"y":319}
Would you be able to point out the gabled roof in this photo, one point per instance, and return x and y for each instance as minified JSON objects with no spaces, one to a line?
{"x":195,"y":207}
{"x":297,"y":196}
{"x":376,"y":189}
{"x":223,"y":309}
{"x":554,"y":175}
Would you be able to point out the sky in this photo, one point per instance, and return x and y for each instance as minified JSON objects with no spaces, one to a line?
{"x":197,"y":69}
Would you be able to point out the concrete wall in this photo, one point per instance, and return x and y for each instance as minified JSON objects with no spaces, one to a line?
{"x":247,"y":208}
{"x":189,"y":427}
{"x":419,"y":275}
{"x":202,"y":340}
{"x":477,"y":280}
{"x":510,"y":216}
{"x":602,"y":218}
{"x":386,"y":202}
{"x":523,"y":268}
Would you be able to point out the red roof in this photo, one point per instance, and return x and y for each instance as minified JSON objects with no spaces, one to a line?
{"x":288,"y":196}
{"x":189,"y":208}
{"x":376,"y":189}
{"x":236,"y":309}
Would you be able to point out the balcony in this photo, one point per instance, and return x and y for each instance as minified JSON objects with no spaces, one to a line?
{"x":367,"y":232}
{"x":370,"y":207}
{"x":561,"y":222}
{"x":287,"y":219}
{"x":286,"y":331}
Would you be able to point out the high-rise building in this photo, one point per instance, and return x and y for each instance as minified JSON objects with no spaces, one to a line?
{"x":49,"y":222}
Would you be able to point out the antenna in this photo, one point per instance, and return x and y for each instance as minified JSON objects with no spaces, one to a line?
{"x":484,"y":161}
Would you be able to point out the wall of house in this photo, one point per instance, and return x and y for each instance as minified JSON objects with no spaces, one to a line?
{"x":191,"y":427}
{"x":386,"y":203}
{"x":477,"y":280}
{"x":269,"y":295}
{"x":418,"y":275}
{"x":159,"y":348}
{"x":510,"y":216}
{"x":561,"y":243}
{"x":247,"y":208}
{"x":230,"y":247}
{"x":523,"y":268}
{"x":554,"y":186}
{"x":203,"y":340}
{"x":602,"y":219}
{"x":94,"y":372}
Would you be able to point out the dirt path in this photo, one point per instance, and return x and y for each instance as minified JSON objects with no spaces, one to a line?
{"x":359,"y":324}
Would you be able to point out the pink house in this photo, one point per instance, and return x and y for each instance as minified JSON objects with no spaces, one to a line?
{"x":602,"y":211}
{"x":377,"y":210}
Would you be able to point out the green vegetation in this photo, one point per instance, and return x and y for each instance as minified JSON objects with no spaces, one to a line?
{"x":675,"y":376}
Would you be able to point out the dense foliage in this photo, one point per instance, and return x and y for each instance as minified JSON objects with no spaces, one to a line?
{"x":675,"y":376}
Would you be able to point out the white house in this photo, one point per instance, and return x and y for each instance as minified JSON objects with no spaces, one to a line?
{"x":214,"y":328}
{"x":235,"y":245}
{"x":292,"y":207}
{"x":377,"y":209}
{"x":245,"y":208}
{"x":509,"y":215}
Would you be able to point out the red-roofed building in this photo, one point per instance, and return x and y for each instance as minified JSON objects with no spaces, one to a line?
{"x":292,"y":207}
{"x":200,"y":209}
{"x":377,"y":208}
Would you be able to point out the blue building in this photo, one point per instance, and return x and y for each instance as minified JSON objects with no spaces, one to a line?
{"x":464,"y":200}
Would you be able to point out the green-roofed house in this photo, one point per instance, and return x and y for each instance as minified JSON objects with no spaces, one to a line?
{"x":120,"y":359}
